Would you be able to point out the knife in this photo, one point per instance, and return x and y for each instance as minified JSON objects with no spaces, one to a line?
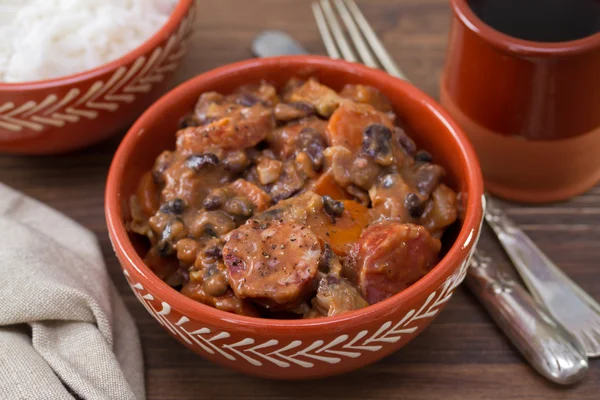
{"x":548,"y":347}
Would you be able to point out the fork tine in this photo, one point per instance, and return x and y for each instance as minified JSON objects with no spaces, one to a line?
{"x":384,"y":57}
{"x":337,"y":32}
{"x":357,"y":39}
{"x":324,"y":31}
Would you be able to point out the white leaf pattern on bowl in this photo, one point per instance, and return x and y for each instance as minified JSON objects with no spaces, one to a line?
{"x":298,"y":352}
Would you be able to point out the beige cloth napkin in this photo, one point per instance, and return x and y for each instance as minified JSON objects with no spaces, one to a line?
{"x":64,"y":331}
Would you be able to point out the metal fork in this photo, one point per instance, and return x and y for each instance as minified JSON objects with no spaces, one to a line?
{"x":551,"y":288}
{"x":551,"y":349}
{"x":355,"y":23}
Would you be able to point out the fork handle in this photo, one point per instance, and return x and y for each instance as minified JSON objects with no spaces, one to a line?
{"x":548,"y":347}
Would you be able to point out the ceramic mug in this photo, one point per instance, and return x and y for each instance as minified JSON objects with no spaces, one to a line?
{"x":531,"y":107}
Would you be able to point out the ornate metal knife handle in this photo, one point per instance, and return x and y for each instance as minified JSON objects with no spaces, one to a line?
{"x":549,"y":286}
{"x":548,"y":347}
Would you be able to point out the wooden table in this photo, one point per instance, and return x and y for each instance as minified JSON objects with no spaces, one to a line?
{"x":461,"y":356}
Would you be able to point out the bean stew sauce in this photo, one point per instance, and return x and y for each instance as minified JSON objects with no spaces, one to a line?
{"x":298,"y":203}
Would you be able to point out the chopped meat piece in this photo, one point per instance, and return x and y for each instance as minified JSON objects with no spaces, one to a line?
{"x":163,"y":161}
{"x":324,"y":99}
{"x":268,"y":170}
{"x":284,"y":140}
{"x":210,"y":224}
{"x":242,"y":128}
{"x":388,"y":199}
{"x":239,"y":199}
{"x":290,"y":182}
{"x":441,"y":211}
{"x":248,"y":95}
{"x":336,"y":296}
{"x":348,"y":122}
{"x":210,"y":107}
{"x":256,"y":195}
{"x":312,"y":142}
{"x":292,"y":111}
{"x":191,"y":185}
{"x":348,"y":169}
{"x":367,"y":95}
{"x":290,"y":86}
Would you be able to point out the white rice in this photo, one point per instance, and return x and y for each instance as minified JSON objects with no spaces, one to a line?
{"x":43,"y":39}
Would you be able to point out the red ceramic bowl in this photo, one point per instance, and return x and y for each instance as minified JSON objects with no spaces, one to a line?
{"x":75,"y":111}
{"x":309,"y":348}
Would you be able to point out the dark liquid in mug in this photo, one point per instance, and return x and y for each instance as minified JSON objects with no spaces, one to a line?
{"x":540,"y":20}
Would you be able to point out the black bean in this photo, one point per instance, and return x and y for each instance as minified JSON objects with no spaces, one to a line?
{"x":414,"y":205}
{"x":378,"y":131}
{"x":247,"y":99}
{"x":302,"y":106}
{"x":376,"y":143}
{"x":187,"y":121}
{"x":176,"y":206}
{"x":312,"y":143}
{"x":290,"y":183}
{"x":423,"y":156}
{"x":198,"y":161}
{"x":210,"y":230}
{"x":428,"y":176}
{"x":214,"y":251}
{"x":163,"y":161}
{"x":325,"y":259}
{"x":164,"y":248}
{"x":239,"y":207}
{"x":333,"y":207}
{"x":213,"y":201}
{"x":284,"y":193}
{"x":406,"y":142}
{"x":185,"y":274}
{"x":293,"y":110}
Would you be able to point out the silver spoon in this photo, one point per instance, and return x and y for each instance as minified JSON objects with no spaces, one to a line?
{"x":275,"y":43}
{"x":548,"y":347}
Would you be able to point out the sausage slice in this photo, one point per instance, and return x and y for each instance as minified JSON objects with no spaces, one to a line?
{"x":390,"y":257}
{"x":274,"y":263}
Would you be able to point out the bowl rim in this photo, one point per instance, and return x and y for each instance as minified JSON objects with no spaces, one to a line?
{"x":512,"y":44}
{"x":458,"y":252}
{"x":180,"y":10}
